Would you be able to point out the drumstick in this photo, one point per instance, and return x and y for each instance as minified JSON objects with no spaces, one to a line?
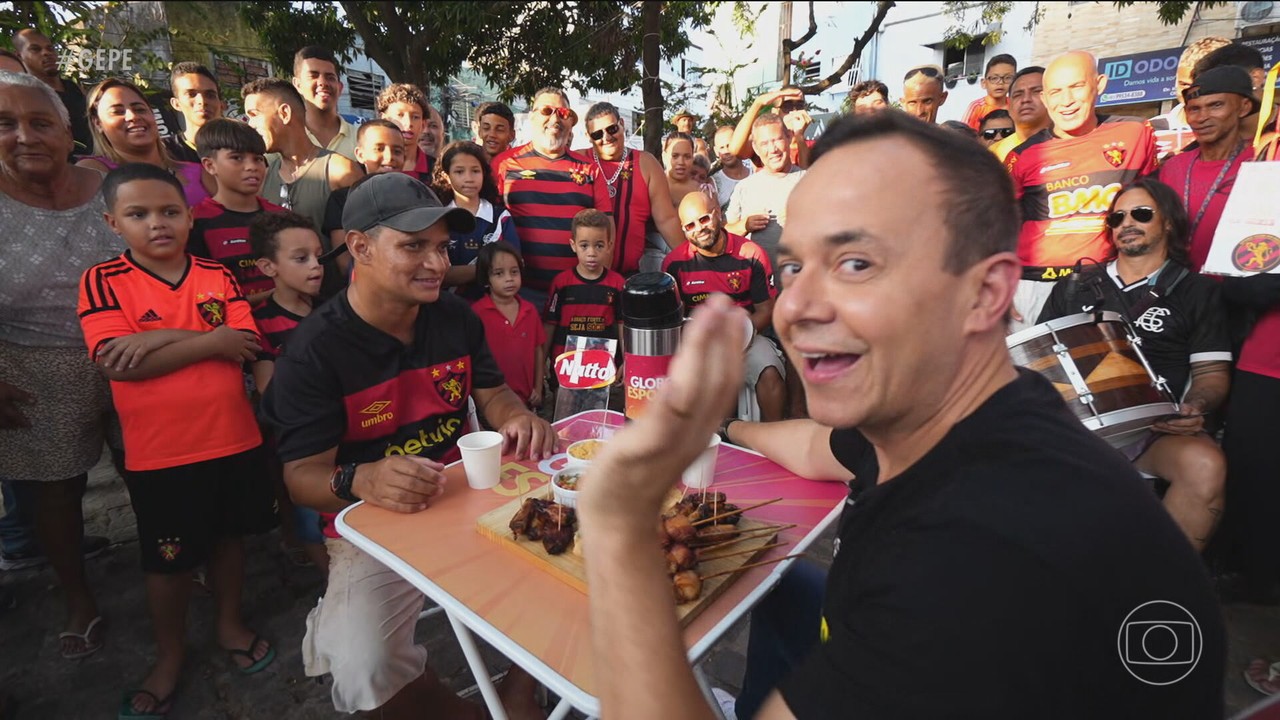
{"x":748,"y":566}
{"x":742,"y":552}
{"x":735,"y":512}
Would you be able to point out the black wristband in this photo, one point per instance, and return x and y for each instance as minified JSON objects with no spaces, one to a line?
{"x":344,"y":476}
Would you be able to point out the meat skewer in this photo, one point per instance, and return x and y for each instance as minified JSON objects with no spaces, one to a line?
{"x":705,"y":558}
{"x":752,"y":534}
{"x":687,"y":586}
{"x":737,"y":511}
{"x":748,"y":566}
{"x":680,"y":557}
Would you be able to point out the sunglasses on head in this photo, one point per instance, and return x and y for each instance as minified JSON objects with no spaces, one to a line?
{"x":1142,"y":214}
{"x":927,"y":71}
{"x":595,"y":135}
{"x":548,"y":111}
{"x":993,"y":133}
{"x":704,"y":220}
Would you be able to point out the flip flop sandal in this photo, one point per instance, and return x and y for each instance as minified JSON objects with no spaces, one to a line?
{"x":159,"y":712}
{"x":89,"y":646}
{"x":1263,"y":676}
{"x":258,"y":665}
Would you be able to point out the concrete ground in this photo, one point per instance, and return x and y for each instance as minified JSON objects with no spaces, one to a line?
{"x":277,"y":599}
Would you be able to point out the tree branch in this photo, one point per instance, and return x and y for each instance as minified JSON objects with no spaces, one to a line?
{"x":813,"y":30}
{"x":882,"y":10}
{"x":376,"y":51}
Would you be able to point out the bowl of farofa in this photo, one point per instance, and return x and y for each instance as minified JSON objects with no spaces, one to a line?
{"x":584,"y":452}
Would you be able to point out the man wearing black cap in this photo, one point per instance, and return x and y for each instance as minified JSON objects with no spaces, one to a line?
{"x":1215,"y":104}
{"x":368,"y":404}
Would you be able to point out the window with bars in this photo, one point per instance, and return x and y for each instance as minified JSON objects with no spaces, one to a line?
{"x":363,"y":88}
{"x":965,"y":62}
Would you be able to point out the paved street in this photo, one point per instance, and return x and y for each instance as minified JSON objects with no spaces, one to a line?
{"x":278,"y":598}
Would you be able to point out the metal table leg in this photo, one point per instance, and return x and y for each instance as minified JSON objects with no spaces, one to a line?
{"x":478,"y":669}
{"x":705,"y":687}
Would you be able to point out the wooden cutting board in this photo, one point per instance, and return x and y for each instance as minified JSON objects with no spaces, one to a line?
{"x":569,"y":567}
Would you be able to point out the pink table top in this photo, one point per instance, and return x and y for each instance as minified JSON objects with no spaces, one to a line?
{"x":507,"y":599}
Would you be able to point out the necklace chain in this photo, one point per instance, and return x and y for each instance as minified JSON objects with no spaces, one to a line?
{"x":617,"y":173}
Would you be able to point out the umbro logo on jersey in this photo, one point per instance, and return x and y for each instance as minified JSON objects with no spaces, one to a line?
{"x":150,"y":316}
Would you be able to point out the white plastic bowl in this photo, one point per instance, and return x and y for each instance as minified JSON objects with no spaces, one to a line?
{"x":572,"y":461}
{"x":567,"y":498}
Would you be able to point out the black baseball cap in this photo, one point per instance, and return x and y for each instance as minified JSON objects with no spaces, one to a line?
{"x":1222,"y":79}
{"x":400,"y":202}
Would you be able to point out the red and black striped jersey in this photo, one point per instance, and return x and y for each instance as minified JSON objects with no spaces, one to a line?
{"x":578,"y":306}
{"x":345,"y":384}
{"x":543,"y":194}
{"x":223,"y":235}
{"x":1065,"y":186}
{"x":743,"y":273}
{"x":275,"y":324}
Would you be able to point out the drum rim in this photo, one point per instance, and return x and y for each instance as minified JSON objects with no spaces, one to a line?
{"x":1062,"y":323}
{"x":1124,"y":415}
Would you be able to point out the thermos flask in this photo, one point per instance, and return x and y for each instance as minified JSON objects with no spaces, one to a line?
{"x":652,"y":316}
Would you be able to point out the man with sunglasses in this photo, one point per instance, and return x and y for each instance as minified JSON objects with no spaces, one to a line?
{"x":717,"y":261}
{"x":923,"y":93}
{"x":544,"y":185}
{"x":997,"y":80}
{"x":637,"y":188}
{"x":1026,"y":108}
{"x":996,"y":126}
{"x":1066,"y":176}
{"x":1182,"y":322}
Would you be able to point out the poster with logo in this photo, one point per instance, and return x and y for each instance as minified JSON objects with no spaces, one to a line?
{"x":1247,"y":241}
{"x":584,"y":372}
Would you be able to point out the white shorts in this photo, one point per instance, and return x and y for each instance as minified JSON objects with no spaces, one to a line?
{"x":761,"y":355}
{"x":1029,"y":300}
{"x":361,"y":631}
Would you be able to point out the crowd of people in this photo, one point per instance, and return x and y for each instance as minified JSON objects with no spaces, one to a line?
{"x":336,"y":298}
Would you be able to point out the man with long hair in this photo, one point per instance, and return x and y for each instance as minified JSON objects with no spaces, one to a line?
{"x":1180,"y":317}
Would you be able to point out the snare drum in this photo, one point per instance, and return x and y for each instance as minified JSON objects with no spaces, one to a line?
{"x":1100,"y":370}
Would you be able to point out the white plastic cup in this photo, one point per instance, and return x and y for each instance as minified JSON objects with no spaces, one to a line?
{"x":703,"y":470}
{"x":482,"y":458}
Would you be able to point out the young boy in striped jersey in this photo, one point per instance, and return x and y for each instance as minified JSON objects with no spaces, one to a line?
{"x":287,"y":250}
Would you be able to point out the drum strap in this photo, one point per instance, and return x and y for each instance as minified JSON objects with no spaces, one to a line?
{"x":1159,"y":286}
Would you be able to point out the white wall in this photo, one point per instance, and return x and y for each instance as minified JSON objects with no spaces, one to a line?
{"x":912,"y":34}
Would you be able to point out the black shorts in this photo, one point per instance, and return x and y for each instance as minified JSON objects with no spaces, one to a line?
{"x":183,"y":511}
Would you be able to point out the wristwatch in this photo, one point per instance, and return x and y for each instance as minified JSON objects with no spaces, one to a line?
{"x":724,"y":428}
{"x":340,"y":482}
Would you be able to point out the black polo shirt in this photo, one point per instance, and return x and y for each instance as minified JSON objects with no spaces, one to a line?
{"x":1183,"y":326}
{"x":996,"y":576}
{"x":343,"y":383}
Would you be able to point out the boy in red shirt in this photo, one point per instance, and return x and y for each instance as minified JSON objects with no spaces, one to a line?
{"x":234,"y":154}
{"x":171,"y":332}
